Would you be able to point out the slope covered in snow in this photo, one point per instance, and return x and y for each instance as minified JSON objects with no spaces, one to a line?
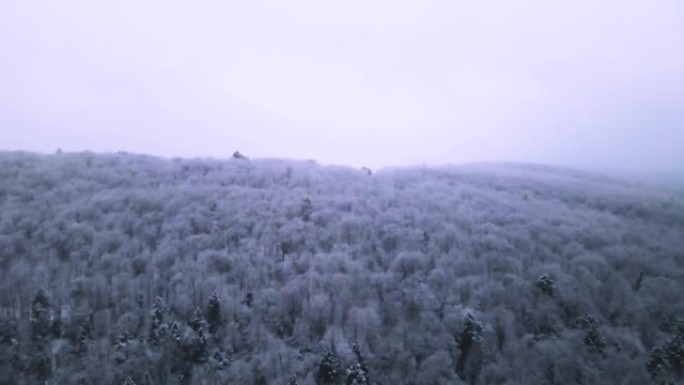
{"x":117,"y":266}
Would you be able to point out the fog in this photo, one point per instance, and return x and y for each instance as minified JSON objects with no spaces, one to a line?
{"x":577,"y":83}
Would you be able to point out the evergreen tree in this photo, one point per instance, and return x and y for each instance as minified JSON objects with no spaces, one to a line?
{"x":469,"y":341}
{"x":175,"y":332}
{"x":57,"y":327}
{"x":219,"y":360}
{"x":592,"y":338}
{"x":40,"y":363}
{"x":359,"y":357}
{"x":40,"y":317}
{"x":328,"y":368}
{"x":121,"y":346}
{"x":237,"y":155}
{"x":357,"y":373}
{"x":666,"y":363}
{"x":8,"y":330}
{"x":140,"y":303}
{"x":85,"y":334}
{"x":547,"y":285}
{"x":197,"y":321}
{"x":306,"y":209}
{"x":157,"y":327}
{"x":40,"y":360}
{"x":214,"y":313}
{"x":247,"y":300}
{"x":200,"y":346}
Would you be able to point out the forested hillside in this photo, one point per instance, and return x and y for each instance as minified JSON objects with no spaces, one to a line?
{"x":129,"y":269}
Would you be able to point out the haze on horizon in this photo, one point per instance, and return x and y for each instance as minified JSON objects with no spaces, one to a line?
{"x":576,"y":83}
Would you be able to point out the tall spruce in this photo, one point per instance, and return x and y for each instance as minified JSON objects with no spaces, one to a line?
{"x":214,"y":313}
{"x":469,"y":340}
{"x":328,"y":368}
{"x":357,"y":373}
{"x":40,"y":317}
{"x":200,"y":345}
{"x":157,"y":326}
{"x":40,"y":355}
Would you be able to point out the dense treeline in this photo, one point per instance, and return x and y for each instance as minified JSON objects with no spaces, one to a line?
{"x":127,"y":269}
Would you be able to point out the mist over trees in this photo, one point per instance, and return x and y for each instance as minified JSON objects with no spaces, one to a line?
{"x":130,"y":269}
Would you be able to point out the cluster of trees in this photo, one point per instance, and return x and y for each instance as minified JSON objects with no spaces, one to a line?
{"x":129,"y":269}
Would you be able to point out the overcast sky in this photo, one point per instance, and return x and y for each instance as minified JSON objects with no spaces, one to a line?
{"x":585,"y":83}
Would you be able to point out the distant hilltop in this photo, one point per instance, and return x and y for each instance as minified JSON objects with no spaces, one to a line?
{"x":132,"y":269}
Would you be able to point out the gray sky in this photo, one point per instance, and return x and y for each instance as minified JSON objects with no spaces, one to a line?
{"x":360,"y":82}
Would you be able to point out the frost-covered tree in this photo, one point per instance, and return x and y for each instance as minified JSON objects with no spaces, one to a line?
{"x":158,"y":327}
{"x":666,"y":363}
{"x":121,"y":346}
{"x":356,"y":375}
{"x":40,"y":317}
{"x":306,"y":209}
{"x":237,"y":155}
{"x":546,"y":284}
{"x":468,"y":365}
{"x":357,"y":372}
{"x":85,"y":334}
{"x":200,"y":344}
{"x":592,"y":337}
{"x":214,"y":313}
{"x":247,"y":300}
{"x":328,"y":368}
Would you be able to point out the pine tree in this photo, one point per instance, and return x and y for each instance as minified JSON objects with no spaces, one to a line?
{"x":8,"y":330}
{"x":158,"y":327}
{"x":175,"y":332}
{"x":306,"y":209}
{"x":666,"y":363}
{"x":200,"y":348}
{"x":219,"y":360}
{"x":82,"y":340}
{"x":247,"y":300}
{"x":214,"y":313}
{"x":57,"y":327}
{"x":357,"y":373}
{"x":468,"y":342}
{"x":40,"y":363}
{"x":547,"y":285}
{"x":328,"y":368}
{"x":197,"y":321}
{"x":85,"y":334}
{"x":40,"y":317}
{"x":121,"y":346}
{"x":359,"y":357}
{"x":592,"y":338}
{"x":140,"y":302}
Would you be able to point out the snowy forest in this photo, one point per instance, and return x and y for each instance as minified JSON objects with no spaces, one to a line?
{"x":131,"y":269}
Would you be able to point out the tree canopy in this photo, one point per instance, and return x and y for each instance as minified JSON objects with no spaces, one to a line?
{"x":122,"y":268}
